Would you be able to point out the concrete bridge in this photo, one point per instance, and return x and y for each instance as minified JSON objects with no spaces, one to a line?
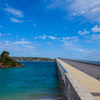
{"x":76,"y":82}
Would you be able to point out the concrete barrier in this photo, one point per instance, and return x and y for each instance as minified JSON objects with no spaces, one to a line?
{"x":71,"y":87}
{"x":74,"y":90}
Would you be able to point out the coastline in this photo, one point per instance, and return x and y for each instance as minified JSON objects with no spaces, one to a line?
{"x":32,"y":59}
{"x":36,"y":61}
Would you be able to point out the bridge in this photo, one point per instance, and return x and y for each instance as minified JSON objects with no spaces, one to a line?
{"x":78,"y":80}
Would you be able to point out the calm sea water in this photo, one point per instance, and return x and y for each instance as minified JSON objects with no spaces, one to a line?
{"x":91,"y":62}
{"x":36,"y":80}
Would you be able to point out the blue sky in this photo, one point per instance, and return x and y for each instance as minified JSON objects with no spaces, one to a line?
{"x":51,"y":28}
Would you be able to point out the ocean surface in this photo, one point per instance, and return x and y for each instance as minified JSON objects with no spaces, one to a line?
{"x":34,"y":81}
{"x":90,"y":62}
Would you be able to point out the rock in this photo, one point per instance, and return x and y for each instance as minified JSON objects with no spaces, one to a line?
{"x":6,"y":61}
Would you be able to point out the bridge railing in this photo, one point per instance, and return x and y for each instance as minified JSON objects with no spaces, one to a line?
{"x":71,"y":88}
{"x":62,"y":70}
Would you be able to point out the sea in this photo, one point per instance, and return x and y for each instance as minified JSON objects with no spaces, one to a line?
{"x":34,"y":81}
{"x":91,"y":62}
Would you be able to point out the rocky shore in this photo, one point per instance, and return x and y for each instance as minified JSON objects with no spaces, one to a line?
{"x":7,"y":62}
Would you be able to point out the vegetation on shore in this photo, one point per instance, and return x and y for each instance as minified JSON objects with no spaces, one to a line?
{"x":32,"y":59}
{"x":6,"y":61}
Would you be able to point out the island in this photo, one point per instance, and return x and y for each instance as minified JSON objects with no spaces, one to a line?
{"x":6,"y":61}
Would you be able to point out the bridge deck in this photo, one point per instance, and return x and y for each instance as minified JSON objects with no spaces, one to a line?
{"x":90,"y":69}
{"x":91,"y":84}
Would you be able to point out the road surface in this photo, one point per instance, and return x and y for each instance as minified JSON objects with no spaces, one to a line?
{"x":92,"y":70}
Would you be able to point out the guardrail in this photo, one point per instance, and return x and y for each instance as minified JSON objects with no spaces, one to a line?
{"x":62,"y":70}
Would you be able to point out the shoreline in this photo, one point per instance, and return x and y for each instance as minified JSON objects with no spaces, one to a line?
{"x":36,"y":61}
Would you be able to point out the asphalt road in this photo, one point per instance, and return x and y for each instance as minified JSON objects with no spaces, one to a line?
{"x":92,"y":70}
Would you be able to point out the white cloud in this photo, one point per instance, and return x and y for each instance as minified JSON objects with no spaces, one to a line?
{"x":42,"y":37}
{"x":68,"y":44}
{"x":6,"y":42}
{"x":92,"y":54}
{"x":55,"y":4}
{"x":22,"y":42}
{"x":28,"y":46}
{"x":62,"y":39}
{"x":72,"y":45}
{"x":13,"y":11}
{"x":81,"y":50}
{"x":52,"y":37}
{"x":16,"y":20}
{"x":96,"y":29}
{"x":74,"y":38}
{"x":90,"y":9}
{"x":0,"y":34}
{"x":84,"y":32}
{"x":35,"y":37}
{"x":5,"y":34}
{"x":95,"y":9}
{"x":20,"y":48}
{"x":95,"y":36}
{"x":93,"y":39}
{"x":49,"y":43}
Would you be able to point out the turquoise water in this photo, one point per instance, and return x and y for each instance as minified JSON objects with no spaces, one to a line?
{"x":36,"y":80}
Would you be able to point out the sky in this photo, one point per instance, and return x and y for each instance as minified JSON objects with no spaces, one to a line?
{"x":51,"y":28}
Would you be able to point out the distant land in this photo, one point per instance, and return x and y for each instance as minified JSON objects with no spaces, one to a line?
{"x":32,"y":59}
{"x":6,"y":61}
